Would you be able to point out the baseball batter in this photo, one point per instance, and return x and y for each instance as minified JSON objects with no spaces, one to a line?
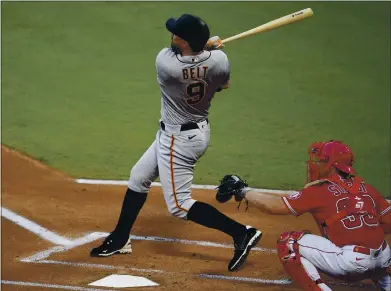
{"x":352,"y":217}
{"x":188,"y":77}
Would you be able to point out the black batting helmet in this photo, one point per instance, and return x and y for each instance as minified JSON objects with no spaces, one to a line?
{"x":190,"y":28}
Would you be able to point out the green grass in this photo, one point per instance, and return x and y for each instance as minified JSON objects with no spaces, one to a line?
{"x":79,"y":86}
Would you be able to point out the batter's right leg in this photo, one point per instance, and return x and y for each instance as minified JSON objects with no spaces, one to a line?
{"x":142,"y":175}
{"x":177,"y":158}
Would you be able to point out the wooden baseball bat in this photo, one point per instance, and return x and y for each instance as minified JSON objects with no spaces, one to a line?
{"x":287,"y":19}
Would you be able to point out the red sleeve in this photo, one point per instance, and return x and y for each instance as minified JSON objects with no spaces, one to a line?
{"x":385,"y":214}
{"x":383,"y":207}
{"x":386,"y":207}
{"x":302,"y":201}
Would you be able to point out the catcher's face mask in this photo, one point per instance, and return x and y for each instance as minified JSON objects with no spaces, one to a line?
{"x":315,"y":162}
{"x":323,"y":155}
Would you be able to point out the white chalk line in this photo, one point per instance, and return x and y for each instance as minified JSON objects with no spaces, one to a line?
{"x":245,"y":279}
{"x":281,"y":281}
{"x":100,"y":266}
{"x":207,"y":276}
{"x":44,"y":254}
{"x":157,"y":184}
{"x":34,"y":228}
{"x":62,"y":243}
{"x":52,"y":286}
{"x":194,"y":242}
{"x":97,"y":235}
{"x":66,"y":244}
{"x":58,"y":249}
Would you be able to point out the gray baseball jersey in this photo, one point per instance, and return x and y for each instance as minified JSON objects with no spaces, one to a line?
{"x":188,"y":84}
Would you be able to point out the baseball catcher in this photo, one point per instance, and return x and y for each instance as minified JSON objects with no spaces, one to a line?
{"x":352,"y":216}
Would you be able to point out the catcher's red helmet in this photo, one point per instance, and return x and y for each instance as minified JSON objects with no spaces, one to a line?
{"x":323,"y":155}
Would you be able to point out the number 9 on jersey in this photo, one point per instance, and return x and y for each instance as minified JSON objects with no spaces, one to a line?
{"x":196,"y":92}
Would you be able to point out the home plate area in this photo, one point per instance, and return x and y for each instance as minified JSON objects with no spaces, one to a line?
{"x":123,"y":281}
{"x":50,"y":223}
{"x":119,"y":271}
{"x":155,"y":265}
{"x":152,"y":261}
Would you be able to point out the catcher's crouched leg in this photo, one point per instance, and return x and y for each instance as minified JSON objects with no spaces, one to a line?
{"x":292,"y":262}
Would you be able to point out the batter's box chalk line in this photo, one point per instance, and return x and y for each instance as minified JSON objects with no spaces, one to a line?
{"x":97,"y":235}
{"x":175,"y":274}
{"x":64,"y":244}
{"x":51,"y":286}
{"x":39,"y":258}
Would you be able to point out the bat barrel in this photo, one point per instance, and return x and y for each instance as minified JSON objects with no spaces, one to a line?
{"x":288,"y":19}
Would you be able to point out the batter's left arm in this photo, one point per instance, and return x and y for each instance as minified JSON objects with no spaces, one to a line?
{"x":222,"y":70}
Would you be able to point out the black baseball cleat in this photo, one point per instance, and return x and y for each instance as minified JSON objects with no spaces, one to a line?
{"x":111,"y":246}
{"x":243,"y":247}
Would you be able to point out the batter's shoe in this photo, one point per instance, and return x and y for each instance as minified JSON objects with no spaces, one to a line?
{"x":111,"y":246}
{"x":243,"y":247}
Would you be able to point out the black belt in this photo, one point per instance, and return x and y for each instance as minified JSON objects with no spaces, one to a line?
{"x":186,"y":126}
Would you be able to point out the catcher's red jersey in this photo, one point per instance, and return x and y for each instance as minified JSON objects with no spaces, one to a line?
{"x":325,"y":200}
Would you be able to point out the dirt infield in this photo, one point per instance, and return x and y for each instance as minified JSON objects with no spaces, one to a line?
{"x":54,"y":201}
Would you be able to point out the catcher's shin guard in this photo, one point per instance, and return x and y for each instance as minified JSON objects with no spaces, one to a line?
{"x":288,"y":252}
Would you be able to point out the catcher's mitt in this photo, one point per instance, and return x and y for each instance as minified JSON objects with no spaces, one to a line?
{"x":230,"y":185}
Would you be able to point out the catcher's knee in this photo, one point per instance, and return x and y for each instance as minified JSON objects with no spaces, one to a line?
{"x":287,"y":243}
{"x":288,"y":253}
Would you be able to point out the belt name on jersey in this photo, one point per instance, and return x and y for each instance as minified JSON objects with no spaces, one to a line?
{"x":195,"y":73}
